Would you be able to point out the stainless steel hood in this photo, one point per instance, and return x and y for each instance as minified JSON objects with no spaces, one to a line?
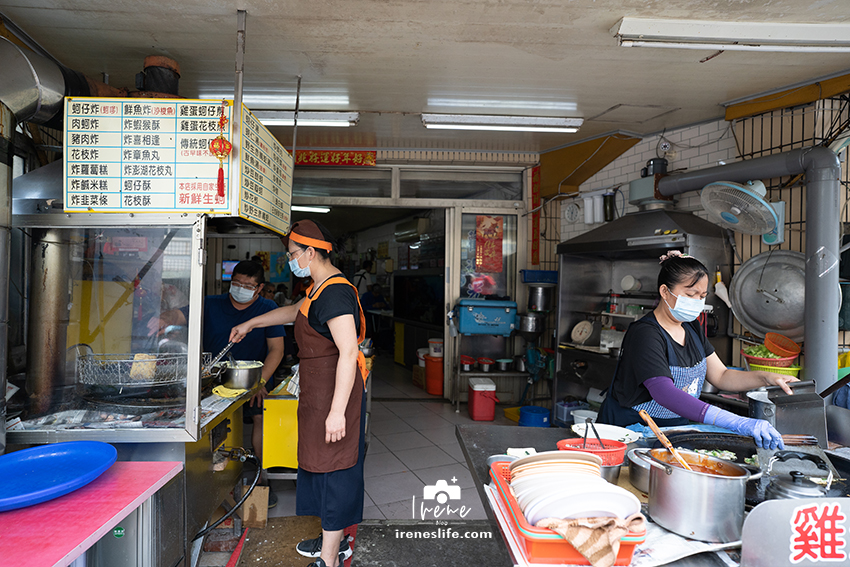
{"x":641,"y":234}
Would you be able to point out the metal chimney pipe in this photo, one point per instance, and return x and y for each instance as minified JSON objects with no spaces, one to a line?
{"x":823,"y":194}
{"x":48,"y":327}
{"x":7,"y":153}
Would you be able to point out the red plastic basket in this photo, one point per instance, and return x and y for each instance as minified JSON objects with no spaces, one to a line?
{"x":781,"y":345}
{"x":778,"y":362}
{"x":612,"y":452}
{"x":542,"y":544}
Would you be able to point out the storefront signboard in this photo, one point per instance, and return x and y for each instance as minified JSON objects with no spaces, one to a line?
{"x":265,"y":187}
{"x":126,"y":155}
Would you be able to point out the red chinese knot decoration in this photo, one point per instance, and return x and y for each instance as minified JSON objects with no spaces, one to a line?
{"x":220,"y":148}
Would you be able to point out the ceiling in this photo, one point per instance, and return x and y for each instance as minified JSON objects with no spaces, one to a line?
{"x":394,"y":59}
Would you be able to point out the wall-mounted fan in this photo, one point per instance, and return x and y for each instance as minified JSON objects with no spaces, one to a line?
{"x":743,"y":208}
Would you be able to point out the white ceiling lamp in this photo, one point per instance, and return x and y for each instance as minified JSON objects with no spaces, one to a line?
{"x":501,"y":123}
{"x":307,"y":118}
{"x":732,"y":36}
{"x":304,"y":209}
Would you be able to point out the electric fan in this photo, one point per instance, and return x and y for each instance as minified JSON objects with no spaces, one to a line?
{"x":743,"y":208}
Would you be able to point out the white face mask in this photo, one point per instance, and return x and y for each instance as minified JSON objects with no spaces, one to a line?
{"x":240,"y":294}
{"x":687,"y":308}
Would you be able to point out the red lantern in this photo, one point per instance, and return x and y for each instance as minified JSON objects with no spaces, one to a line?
{"x":220,"y":148}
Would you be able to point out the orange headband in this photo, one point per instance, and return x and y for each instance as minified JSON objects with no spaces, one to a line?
{"x":307,"y":241}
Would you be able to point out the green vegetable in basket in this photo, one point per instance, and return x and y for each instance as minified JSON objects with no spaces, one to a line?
{"x":760,"y":351}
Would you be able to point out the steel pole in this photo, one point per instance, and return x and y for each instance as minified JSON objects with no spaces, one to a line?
{"x":823,"y":194}
{"x":7,"y":153}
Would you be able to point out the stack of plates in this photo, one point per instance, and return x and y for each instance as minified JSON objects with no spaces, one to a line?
{"x":567,"y":484}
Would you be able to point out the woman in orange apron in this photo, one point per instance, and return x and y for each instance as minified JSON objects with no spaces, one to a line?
{"x":329,"y":325}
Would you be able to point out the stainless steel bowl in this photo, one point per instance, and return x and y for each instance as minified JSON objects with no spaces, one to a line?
{"x":611,"y":474}
{"x":240,"y":376}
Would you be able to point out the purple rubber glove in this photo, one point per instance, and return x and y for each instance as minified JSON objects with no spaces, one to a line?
{"x":761,"y":431}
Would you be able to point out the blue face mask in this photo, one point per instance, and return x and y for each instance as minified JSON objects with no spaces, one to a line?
{"x":240,"y":294}
{"x":297,"y":270}
{"x":687,"y":308}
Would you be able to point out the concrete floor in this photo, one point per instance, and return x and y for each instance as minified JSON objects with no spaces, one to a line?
{"x":413,"y":444}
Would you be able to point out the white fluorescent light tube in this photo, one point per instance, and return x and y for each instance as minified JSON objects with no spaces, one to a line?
{"x":732,"y":36}
{"x":501,"y":123}
{"x":308,"y":118}
{"x":304,"y":209}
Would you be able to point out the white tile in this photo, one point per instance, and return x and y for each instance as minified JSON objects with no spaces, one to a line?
{"x":376,"y":447}
{"x":424,"y":422}
{"x":424,"y":457}
{"x":401,"y":441}
{"x":373,"y":513}
{"x":393,"y":487}
{"x":389,"y":427}
{"x":383,"y":464}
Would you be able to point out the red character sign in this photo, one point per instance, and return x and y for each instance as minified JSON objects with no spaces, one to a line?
{"x":818,"y":533}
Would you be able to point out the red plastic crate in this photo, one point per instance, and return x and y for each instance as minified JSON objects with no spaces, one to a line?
{"x":542,"y":544}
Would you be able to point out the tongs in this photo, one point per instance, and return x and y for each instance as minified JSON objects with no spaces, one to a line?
{"x":588,"y":425}
{"x":217,"y":358}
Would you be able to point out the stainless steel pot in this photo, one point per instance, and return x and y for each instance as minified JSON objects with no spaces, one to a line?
{"x":519,"y":363}
{"x":638,"y":471}
{"x":540,"y":298}
{"x":242,"y":374}
{"x":503,"y":364}
{"x":697,"y":505}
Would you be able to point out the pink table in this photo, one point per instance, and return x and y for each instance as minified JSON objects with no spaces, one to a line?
{"x":55,"y":533}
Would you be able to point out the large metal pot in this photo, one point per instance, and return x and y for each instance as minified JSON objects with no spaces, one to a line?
{"x":242,"y":374}
{"x":697,"y":505}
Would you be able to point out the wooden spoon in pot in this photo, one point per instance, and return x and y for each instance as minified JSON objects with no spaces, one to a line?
{"x":663,"y":438}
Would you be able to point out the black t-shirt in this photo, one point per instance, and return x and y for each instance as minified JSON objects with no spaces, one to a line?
{"x":644,"y":356}
{"x":335,"y":300}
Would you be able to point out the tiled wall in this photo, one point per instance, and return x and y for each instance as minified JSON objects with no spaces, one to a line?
{"x":697,"y":147}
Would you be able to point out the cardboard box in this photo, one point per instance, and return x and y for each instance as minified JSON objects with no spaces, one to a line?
{"x":419,"y":376}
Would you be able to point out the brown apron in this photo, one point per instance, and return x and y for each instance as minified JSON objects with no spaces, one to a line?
{"x":318,"y":360}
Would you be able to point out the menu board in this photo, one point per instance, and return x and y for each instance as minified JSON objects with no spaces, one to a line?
{"x":142,"y":156}
{"x":265,"y":188}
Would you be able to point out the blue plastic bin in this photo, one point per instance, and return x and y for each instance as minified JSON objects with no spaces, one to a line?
{"x":539,"y":276}
{"x":533,"y":416}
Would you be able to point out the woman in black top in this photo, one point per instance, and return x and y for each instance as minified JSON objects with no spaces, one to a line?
{"x":666,"y":357}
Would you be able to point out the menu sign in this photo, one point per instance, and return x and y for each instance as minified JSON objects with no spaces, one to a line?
{"x":142,"y":156}
{"x":265,"y":188}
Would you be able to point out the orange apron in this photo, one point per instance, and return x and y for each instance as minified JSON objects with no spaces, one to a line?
{"x":318,"y":361}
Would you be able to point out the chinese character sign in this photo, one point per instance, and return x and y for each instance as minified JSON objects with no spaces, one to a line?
{"x":141,"y":155}
{"x":818,"y":534}
{"x":488,"y":243}
{"x":355,"y":158}
{"x":265,"y":191}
